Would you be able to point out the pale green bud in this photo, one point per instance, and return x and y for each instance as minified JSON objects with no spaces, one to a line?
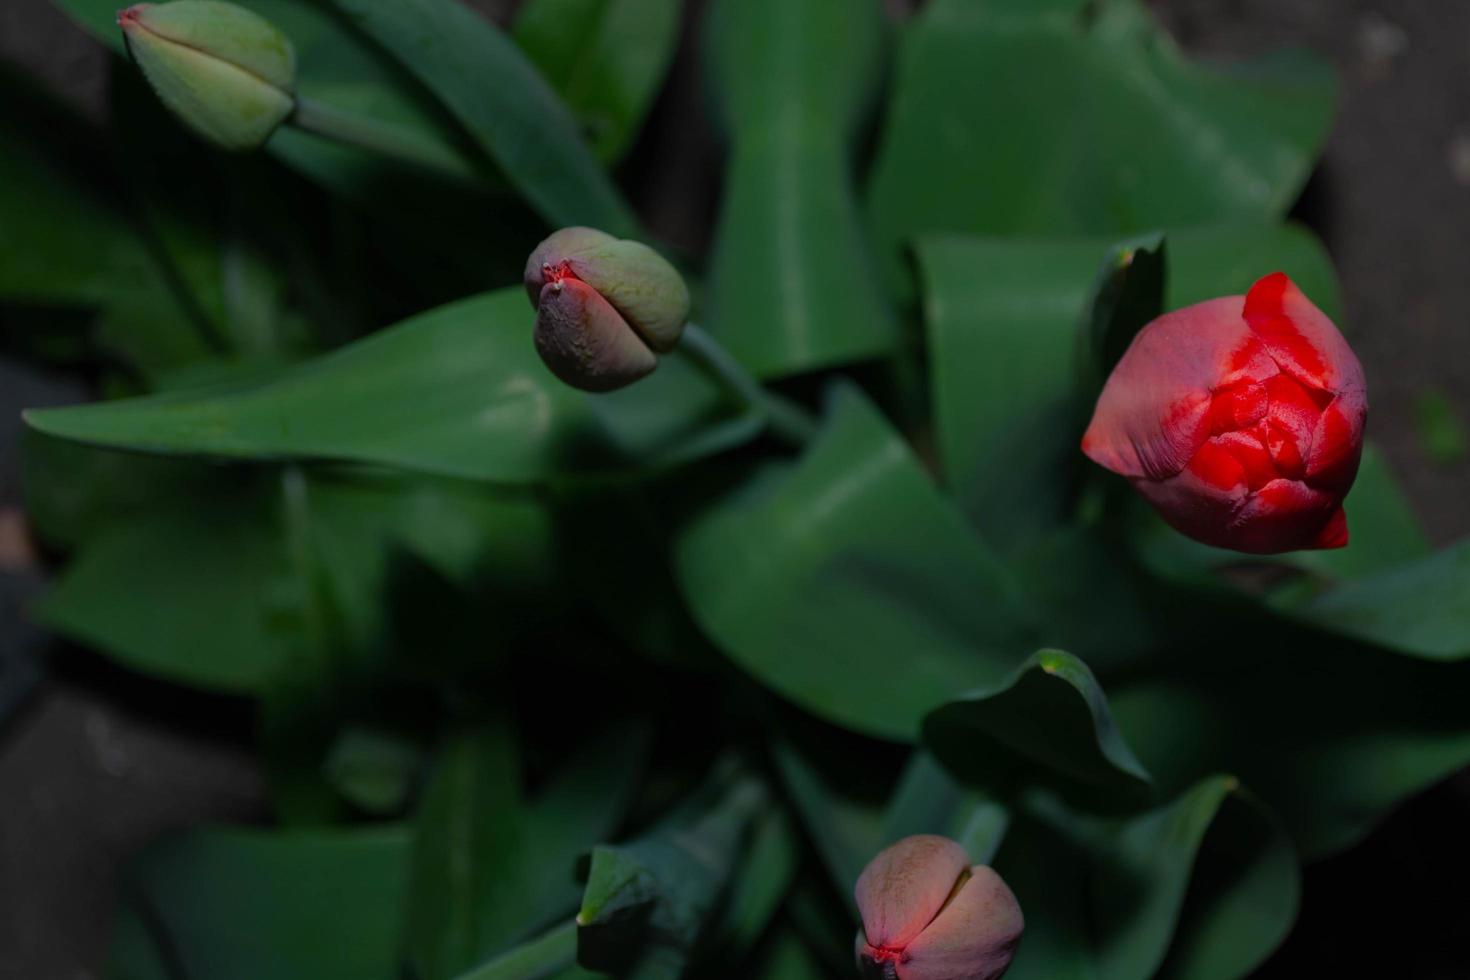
{"x":605,"y":307}
{"x":227,"y":72}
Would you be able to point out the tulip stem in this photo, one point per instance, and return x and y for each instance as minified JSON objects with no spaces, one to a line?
{"x":552,"y":951}
{"x":787,"y":420}
{"x":383,"y":138}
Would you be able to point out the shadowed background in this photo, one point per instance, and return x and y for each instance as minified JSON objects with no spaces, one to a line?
{"x":98,"y":762}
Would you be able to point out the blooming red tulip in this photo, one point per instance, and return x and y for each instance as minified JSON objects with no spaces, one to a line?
{"x":1239,"y":419}
{"x":929,"y":915}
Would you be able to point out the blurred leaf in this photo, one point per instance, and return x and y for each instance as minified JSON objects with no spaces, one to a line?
{"x":1442,"y":435}
{"x":648,"y":902}
{"x":469,"y":853}
{"x":1106,"y":127}
{"x":811,"y":577}
{"x":1328,"y":733}
{"x":793,"y":285}
{"x":457,"y":391}
{"x":491,"y":867}
{"x":847,"y":831}
{"x":928,"y":800}
{"x":605,"y":58}
{"x":543,"y":956}
{"x":1047,"y":723}
{"x":504,"y":103}
{"x":373,"y":769}
{"x":1421,"y":608}
{"x":234,"y":903}
{"x":759,"y":883}
{"x":1002,"y":317}
{"x":1202,"y":888}
{"x":188,"y":591}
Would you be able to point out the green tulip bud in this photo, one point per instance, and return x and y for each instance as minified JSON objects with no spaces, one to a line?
{"x":227,"y":72}
{"x":605,"y":307}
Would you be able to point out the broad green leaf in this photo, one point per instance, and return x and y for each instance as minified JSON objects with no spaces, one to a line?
{"x":848,"y":585}
{"x":509,"y":110}
{"x":1047,"y":723}
{"x":1421,"y":608}
{"x":492,"y":866}
{"x":1076,"y":117}
{"x":846,"y":830}
{"x":1002,"y":317}
{"x":190,"y":592}
{"x":543,"y":956}
{"x":1202,"y":888}
{"x":928,"y":800}
{"x":793,"y":285}
{"x":647,"y":902}
{"x":605,"y":58}
{"x":234,"y":903}
{"x":469,"y":852}
{"x":457,"y":391}
{"x":759,"y":883}
{"x":1335,"y":734}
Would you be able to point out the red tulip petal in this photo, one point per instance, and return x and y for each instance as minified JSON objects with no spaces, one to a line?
{"x":1334,"y":533}
{"x":974,"y":937}
{"x":1300,"y":337}
{"x":1203,"y":499}
{"x":1337,"y":443}
{"x":904,"y":887}
{"x":1153,"y":414}
{"x":1284,"y":515}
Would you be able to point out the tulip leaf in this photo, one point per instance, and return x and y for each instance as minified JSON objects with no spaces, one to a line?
{"x":456,"y":391}
{"x":846,"y":830}
{"x":1203,"y":887}
{"x":1442,"y":436}
{"x":929,"y":800}
{"x":539,"y":957}
{"x":1047,"y":723}
{"x":490,"y":866}
{"x":1335,"y":735}
{"x":235,"y":903}
{"x":605,"y":58}
{"x":509,"y":110}
{"x":647,"y":902}
{"x":1421,"y":608}
{"x":1128,"y":294}
{"x":792,"y":285}
{"x":1107,"y":128}
{"x":373,"y":769}
{"x":1002,"y":316}
{"x":202,"y":604}
{"x":811,"y":576}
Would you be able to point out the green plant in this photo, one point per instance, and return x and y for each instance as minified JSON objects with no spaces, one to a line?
{"x":678,"y":660}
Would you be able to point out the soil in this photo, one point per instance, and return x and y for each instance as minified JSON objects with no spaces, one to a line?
{"x":97,"y":763}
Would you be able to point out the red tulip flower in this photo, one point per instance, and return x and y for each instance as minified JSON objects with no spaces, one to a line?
{"x":1239,"y":419}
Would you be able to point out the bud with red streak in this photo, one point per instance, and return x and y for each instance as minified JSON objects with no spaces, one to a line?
{"x":928,"y":914}
{"x":605,"y":307}
{"x":1240,"y":420}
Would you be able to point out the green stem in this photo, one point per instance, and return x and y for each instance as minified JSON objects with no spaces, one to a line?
{"x":382,"y":138}
{"x":787,"y":420}
{"x":546,"y":954}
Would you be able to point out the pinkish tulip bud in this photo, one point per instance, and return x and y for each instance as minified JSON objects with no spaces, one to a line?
{"x":605,"y":308}
{"x":929,"y":915}
{"x":1240,"y":420}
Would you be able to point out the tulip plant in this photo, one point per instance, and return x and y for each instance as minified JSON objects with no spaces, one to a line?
{"x":752,"y":611}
